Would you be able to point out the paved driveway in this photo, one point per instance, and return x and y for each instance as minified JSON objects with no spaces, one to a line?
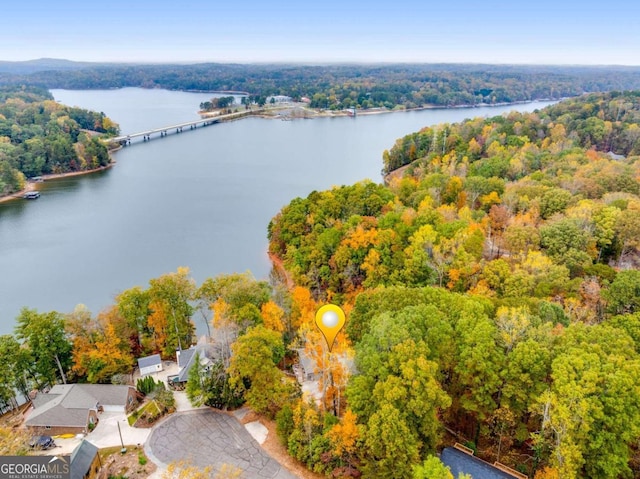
{"x":208,"y":437}
{"x":106,"y":432}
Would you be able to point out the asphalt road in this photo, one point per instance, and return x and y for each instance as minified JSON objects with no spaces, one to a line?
{"x":208,"y":437}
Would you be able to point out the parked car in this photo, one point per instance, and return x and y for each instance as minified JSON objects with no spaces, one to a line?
{"x":42,"y":442}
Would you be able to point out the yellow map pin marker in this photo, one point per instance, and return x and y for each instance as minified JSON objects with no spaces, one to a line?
{"x":330,"y":319}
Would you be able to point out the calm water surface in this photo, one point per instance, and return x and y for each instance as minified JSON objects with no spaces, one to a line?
{"x":201,"y":199}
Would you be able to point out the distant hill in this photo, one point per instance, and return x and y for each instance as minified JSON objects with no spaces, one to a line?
{"x":42,"y":64}
{"x":338,"y":86}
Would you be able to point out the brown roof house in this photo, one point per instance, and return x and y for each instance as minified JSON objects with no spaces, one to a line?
{"x":74,"y":408}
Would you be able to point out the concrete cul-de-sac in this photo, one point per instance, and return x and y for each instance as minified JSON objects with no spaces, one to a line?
{"x":211,"y":438}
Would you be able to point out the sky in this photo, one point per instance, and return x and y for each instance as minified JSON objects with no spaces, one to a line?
{"x":566,"y":32}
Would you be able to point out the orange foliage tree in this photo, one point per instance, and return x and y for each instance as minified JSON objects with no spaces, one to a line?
{"x":98,"y":352}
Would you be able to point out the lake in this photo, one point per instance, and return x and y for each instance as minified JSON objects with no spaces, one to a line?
{"x":201,"y":199}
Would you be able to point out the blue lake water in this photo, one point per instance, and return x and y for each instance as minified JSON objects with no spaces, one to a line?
{"x":201,"y":199}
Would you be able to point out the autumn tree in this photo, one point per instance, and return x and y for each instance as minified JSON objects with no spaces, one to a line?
{"x":273,"y":316}
{"x":590,"y":415}
{"x":98,"y":352}
{"x":210,"y":386}
{"x":253,"y":368}
{"x":170,"y":295}
{"x":623,"y":295}
{"x":133,"y":305}
{"x":43,"y":334}
{"x":238,"y":291}
{"x":432,"y":468}
{"x":344,"y":437}
{"x":18,"y":371}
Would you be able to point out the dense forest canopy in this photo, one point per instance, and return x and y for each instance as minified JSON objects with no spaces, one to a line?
{"x":343,"y":85}
{"x":494,"y":291}
{"x":39,"y":136}
{"x":510,"y":189}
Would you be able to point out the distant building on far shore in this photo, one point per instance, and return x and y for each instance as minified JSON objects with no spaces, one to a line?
{"x":278,"y":99}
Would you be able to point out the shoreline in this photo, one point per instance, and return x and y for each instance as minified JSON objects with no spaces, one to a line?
{"x":324,"y":113}
{"x":271,"y":114}
{"x":32,"y":185}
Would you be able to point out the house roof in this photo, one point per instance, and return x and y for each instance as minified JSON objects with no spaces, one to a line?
{"x":108,"y":394}
{"x":69,"y":404}
{"x":187,"y":357}
{"x":81,"y":459}
{"x":42,"y":399}
{"x":462,"y":463}
{"x":149,"y":361}
{"x":308,"y":364}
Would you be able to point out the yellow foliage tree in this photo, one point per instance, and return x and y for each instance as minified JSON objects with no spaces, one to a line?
{"x":272,"y":315}
{"x":344,"y":435}
{"x":304,"y":307}
{"x":333,"y":374}
{"x":157,"y":322}
{"x":98,"y":352}
{"x":548,"y":473}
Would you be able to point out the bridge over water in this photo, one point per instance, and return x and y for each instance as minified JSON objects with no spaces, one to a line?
{"x":125,"y":140}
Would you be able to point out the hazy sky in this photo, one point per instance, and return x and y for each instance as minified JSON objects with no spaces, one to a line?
{"x":481,"y":31}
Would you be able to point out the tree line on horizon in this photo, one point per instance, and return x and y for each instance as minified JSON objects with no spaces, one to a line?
{"x":347,"y":86}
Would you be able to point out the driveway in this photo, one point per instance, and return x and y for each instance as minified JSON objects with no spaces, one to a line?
{"x":207,"y":437}
{"x":106,"y":432}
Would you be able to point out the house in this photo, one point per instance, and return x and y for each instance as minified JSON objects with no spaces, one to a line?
{"x":186,"y":359}
{"x":85,"y":461}
{"x":278,"y":99}
{"x":74,"y":408}
{"x":307,"y":370}
{"x":461,"y":460}
{"x":150,"y":364}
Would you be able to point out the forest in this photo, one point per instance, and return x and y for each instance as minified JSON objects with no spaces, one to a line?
{"x":492,"y":294}
{"x":493,"y":290}
{"x":39,"y":136}
{"x":343,"y":85}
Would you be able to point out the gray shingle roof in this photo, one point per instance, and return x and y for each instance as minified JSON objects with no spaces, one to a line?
{"x":58,"y":416}
{"x":41,"y":399}
{"x":462,"y":463}
{"x":81,"y":459}
{"x":187,"y":357}
{"x":69,"y":404}
{"x":107,"y":394}
{"x":149,"y":361}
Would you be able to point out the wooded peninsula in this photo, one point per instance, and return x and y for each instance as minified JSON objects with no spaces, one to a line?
{"x":39,"y":136}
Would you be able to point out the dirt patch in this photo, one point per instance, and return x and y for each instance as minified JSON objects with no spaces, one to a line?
{"x":281,"y":272}
{"x":133,"y":464}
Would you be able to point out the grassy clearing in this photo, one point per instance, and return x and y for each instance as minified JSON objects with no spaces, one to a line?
{"x":151,"y":408}
{"x":109,"y":451}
